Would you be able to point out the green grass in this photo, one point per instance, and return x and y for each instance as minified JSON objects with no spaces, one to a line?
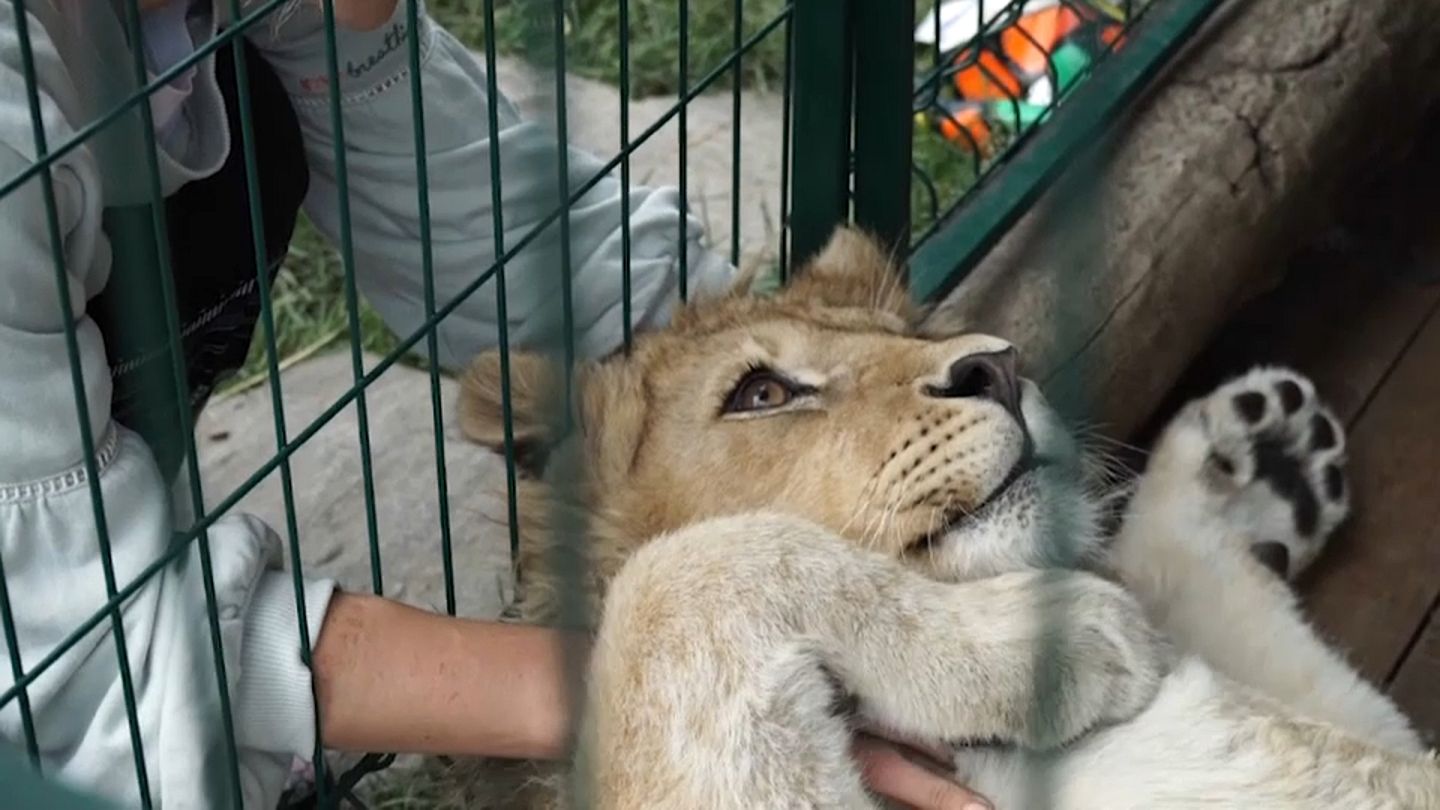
{"x":308,"y":296}
{"x":526,"y":28}
{"x":308,"y":300}
{"x":950,"y":170}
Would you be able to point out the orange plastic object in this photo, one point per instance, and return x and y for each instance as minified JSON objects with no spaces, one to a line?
{"x":1024,"y":48}
{"x":987,"y":79}
{"x":971,"y":119}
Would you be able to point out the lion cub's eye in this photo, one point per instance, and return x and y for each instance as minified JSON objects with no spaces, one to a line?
{"x":761,"y":390}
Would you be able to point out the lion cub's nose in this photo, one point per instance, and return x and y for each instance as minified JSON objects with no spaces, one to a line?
{"x":991,"y":376}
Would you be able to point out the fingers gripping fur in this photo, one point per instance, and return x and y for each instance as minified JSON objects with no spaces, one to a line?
{"x":1256,"y":464}
{"x":715,"y":640}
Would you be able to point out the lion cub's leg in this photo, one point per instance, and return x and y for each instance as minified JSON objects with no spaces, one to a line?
{"x":1243,"y":485}
{"x":1205,"y":742}
{"x":725,"y":650}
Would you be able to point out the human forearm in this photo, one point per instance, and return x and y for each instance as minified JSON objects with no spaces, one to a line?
{"x":389,"y":677}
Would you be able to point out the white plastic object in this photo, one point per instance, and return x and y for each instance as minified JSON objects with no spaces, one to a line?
{"x":960,"y":20}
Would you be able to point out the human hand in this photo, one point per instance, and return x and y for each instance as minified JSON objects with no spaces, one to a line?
{"x":363,"y":15}
{"x":358,"y":15}
{"x":890,"y":771}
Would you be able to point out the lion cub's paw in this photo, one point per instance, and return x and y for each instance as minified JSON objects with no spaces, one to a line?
{"x":1107,"y":661}
{"x":1262,"y":454}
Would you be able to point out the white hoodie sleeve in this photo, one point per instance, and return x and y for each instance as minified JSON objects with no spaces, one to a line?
{"x":384,"y":207}
{"x":49,"y":539}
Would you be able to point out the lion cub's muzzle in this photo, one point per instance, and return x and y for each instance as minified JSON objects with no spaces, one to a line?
{"x":973,"y":465}
{"x":993,"y":376}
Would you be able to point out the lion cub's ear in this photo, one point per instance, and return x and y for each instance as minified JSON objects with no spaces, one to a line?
{"x":853,"y":270}
{"x":534,"y":383}
{"x":611,"y":415}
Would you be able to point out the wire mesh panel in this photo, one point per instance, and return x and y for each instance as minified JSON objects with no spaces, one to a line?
{"x":141,"y":241}
{"x":856,"y":126}
{"x":1023,"y":86}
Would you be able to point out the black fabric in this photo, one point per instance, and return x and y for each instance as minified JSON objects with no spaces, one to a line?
{"x":212,"y":258}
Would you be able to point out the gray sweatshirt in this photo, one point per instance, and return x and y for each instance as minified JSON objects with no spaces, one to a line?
{"x":48,"y":538}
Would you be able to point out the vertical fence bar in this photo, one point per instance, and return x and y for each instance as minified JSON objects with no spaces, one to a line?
{"x":272,"y":352}
{"x":502,"y":318}
{"x":352,"y":302}
{"x":625,"y":292}
{"x":82,"y":410}
{"x":786,"y":100}
{"x":569,"y":531}
{"x":17,"y":671}
{"x":736,"y":77}
{"x":12,"y":638}
{"x":181,"y":389}
{"x":562,"y":161}
{"x":683,"y":147}
{"x":884,"y":78}
{"x":937,"y":50}
{"x":820,"y":133}
{"x":427,"y":271}
{"x":357,"y":366}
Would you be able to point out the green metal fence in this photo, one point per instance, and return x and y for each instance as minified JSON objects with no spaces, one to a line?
{"x":946,"y":199}
{"x":851,"y":149}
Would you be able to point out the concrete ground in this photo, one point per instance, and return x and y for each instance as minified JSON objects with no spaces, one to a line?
{"x":594,"y":125}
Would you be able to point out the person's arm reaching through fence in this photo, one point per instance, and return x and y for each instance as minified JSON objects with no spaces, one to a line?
{"x":488,"y":689}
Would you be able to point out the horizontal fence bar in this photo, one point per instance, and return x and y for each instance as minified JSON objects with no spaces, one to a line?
{"x":944,"y":259}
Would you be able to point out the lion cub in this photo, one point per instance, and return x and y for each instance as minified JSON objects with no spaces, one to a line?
{"x":799,"y":503}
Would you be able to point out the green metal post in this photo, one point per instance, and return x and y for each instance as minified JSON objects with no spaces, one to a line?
{"x":884,"y":71}
{"x":820,"y":130}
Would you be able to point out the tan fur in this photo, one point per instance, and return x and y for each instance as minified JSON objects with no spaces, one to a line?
{"x":643,"y":408}
{"x":746,"y":566}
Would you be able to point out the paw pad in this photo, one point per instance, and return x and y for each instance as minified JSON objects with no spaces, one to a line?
{"x":1276,"y":455}
{"x":1334,"y":482}
{"x":1291,"y":395}
{"x":1272,"y":555}
{"x":1322,"y":433}
{"x":1251,"y":406}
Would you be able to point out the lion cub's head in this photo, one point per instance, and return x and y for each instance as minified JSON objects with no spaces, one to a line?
{"x":823,"y":401}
